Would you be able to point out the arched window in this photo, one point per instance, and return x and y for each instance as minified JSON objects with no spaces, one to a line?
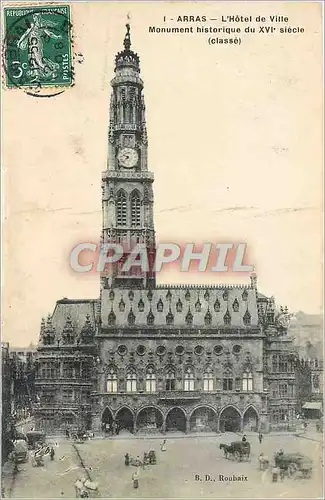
{"x":150,"y":380}
{"x":135,"y":209}
{"x":189,"y":380}
{"x":228,"y":381}
{"x":131,"y":381}
{"x":121,"y":210}
{"x":111,"y":385}
{"x":208,"y":380}
{"x":247,"y":381}
{"x":170,"y":380}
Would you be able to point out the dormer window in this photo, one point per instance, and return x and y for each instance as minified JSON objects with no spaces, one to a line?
{"x":235,"y":305}
{"x":160,"y":306}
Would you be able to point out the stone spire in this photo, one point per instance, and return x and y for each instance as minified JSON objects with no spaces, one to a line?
{"x":127,"y":38}
{"x":127,"y":58}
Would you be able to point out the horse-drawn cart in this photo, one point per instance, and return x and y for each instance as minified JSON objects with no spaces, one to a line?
{"x":238,"y":450}
{"x":294,"y":464}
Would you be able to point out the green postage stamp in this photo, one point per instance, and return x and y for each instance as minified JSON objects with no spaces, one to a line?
{"x":37,"y":46}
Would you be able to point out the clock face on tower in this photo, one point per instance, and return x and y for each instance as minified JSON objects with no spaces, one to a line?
{"x":128,"y":157}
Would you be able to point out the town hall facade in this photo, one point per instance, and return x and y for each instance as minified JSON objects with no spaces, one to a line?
{"x":158,"y":358}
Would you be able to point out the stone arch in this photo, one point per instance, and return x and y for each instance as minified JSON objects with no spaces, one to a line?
{"x":149,"y":419}
{"x":175,"y":419}
{"x":107,"y":420}
{"x":124,"y":418}
{"x":251,"y":419}
{"x":135,"y":193}
{"x":230,"y":419}
{"x":203,"y":418}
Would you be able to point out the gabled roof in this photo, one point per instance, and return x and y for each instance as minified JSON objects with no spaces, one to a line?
{"x":77,"y":310}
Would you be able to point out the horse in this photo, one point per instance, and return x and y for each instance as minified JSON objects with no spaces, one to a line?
{"x":227,"y":449}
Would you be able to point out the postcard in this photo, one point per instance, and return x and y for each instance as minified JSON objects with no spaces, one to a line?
{"x":162,"y":249}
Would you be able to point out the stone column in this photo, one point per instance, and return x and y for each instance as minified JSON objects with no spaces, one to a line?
{"x":96,"y":422}
{"x":218,"y":424}
{"x":241,"y":423}
{"x":187,"y":429}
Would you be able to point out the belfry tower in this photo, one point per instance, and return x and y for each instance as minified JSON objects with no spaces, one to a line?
{"x":127,"y":199}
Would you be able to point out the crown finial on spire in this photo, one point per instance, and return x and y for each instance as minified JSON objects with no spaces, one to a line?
{"x":127,"y":38}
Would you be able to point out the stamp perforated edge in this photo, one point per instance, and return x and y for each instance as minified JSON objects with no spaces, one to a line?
{"x":32,"y":90}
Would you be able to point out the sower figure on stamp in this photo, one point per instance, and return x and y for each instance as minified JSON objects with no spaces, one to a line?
{"x":32,"y":40}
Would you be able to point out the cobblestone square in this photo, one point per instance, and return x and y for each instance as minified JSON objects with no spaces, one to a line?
{"x":189,"y":468}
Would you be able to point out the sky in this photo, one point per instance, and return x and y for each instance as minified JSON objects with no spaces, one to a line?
{"x":235,"y":144}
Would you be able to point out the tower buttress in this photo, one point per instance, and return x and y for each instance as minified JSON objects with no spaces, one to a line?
{"x":127,"y":195}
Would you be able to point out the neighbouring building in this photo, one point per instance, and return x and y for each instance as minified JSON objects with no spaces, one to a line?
{"x":6,"y":402}
{"x":148,"y":357}
{"x":23,"y":364}
{"x":310,"y":384}
{"x":65,"y":369}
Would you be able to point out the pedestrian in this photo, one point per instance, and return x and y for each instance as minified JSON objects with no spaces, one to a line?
{"x":260,"y":437}
{"x":275,"y":474}
{"x":135,"y":479}
{"x":67,"y":433}
{"x":263,"y":461}
{"x":52,"y":453}
{"x":127,"y":459}
{"x":146,"y":460}
{"x":15,"y":461}
{"x":163,"y":446}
